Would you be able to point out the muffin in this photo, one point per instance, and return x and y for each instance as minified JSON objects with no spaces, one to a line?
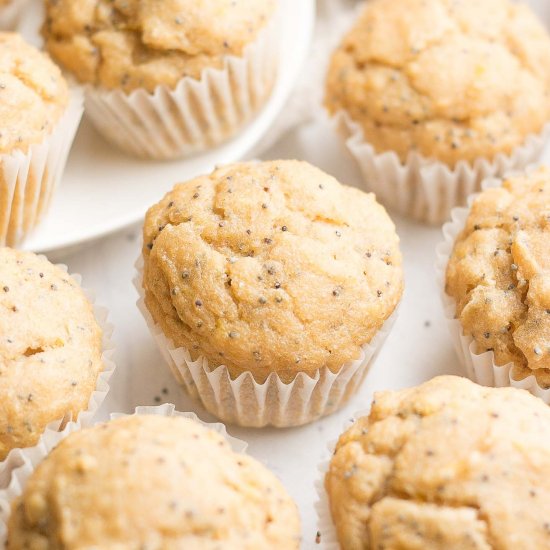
{"x":152,"y":482}
{"x":279,"y":274}
{"x":166,"y":79}
{"x":50,"y":349}
{"x":39,"y":120}
{"x":10,"y":13}
{"x":448,"y":464}
{"x":425,"y":135}
{"x":497,"y":279}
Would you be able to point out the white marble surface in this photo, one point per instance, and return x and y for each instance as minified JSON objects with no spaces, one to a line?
{"x":418,"y":348}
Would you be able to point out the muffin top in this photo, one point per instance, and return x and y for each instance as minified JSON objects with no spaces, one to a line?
{"x":50,"y":348}
{"x":271,"y":267}
{"x":499,"y":274}
{"x":152,"y":482}
{"x":33,"y":94}
{"x":131,"y":44}
{"x":448,"y":464}
{"x":450,"y":80}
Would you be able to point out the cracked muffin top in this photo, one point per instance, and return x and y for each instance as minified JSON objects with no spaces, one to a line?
{"x":450,"y":80}
{"x":33,"y":94}
{"x":271,"y":267}
{"x":499,"y":274}
{"x":448,"y":464}
{"x":131,"y":44}
{"x":50,"y":348}
{"x":152,"y":482}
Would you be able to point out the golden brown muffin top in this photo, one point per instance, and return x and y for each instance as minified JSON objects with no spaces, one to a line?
{"x":131,"y":44}
{"x":50,"y":348}
{"x":445,"y":465}
{"x":450,"y":80}
{"x":271,"y":267}
{"x":152,"y":482}
{"x":33,"y":94}
{"x":499,"y":274}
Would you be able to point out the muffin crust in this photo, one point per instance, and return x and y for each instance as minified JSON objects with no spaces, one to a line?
{"x":152,"y":482}
{"x":33,"y":94}
{"x":447,"y":464}
{"x":450,"y":80}
{"x":499,"y":274}
{"x":130,"y":44}
{"x":50,"y":348}
{"x":270,"y":267}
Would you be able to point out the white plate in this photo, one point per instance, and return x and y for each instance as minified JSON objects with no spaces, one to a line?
{"x":104,"y":190}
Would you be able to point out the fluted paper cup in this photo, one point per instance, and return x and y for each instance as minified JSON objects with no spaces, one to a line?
{"x":31,"y":458}
{"x":479,"y":367}
{"x":197,"y":114}
{"x":59,"y":429}
{"x":427,"y":190}
{"x":326,"y":535}
{"x":28,"y":180}
{"x":244,"y":401}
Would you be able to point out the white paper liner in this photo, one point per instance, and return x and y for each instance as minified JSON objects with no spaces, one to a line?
{"x":10,"y":14}
{"x":327,"y":538}
{"x":427,"y":190}
{"x":31,"y":458}
{"x":479,"y":367}
{"x":199,"y":113}
{"x":245,"y":402}
{"x":326,"y":530}
{"x":57,"y":430}
{"x":28,"y":180}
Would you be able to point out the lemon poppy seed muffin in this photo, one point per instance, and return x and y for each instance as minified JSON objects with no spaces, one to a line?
{"x":448,"y":464}
{"x":450,"y":80}
{"x":135,"y":44}
{"x":167,"y":79}
{"x":50,"y":348}
{"x":270,"y":267}
{"x":152,"y":482}
{"x":499,"y":274}
{"x":34,"y":100}
{"x":33,"y":94}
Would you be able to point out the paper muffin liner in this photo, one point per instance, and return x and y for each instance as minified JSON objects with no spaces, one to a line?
{"x":31,"y":458}
{"x":245,"y":402}
{"x":59,"y":429}
{"x":11,"y":13}
{"x":427,"y":190}
{"x":28,"y":180}
{"x":326,"y":536}
{"x":480,"y":367}
{"x":197,"y":114}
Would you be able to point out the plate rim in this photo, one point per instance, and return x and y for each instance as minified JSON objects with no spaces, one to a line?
{"x":260,"y":125}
